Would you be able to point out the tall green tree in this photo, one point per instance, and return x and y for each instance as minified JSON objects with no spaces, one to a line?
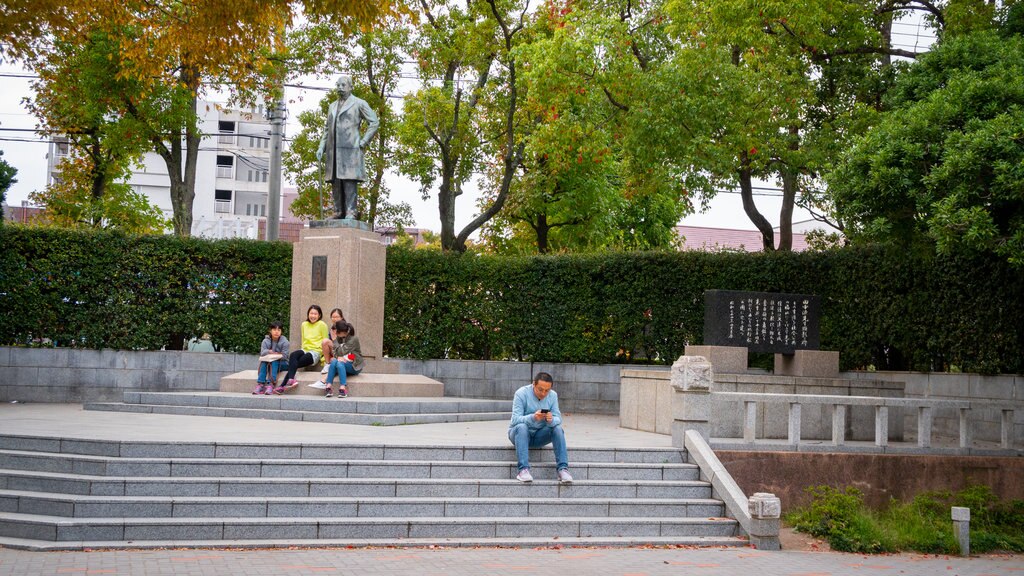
{"x":464,"y":117}
{"x":585,"y":181}
{"x":7,"y":173}
{"x":78,"y":97}
{"x":945,"y":164}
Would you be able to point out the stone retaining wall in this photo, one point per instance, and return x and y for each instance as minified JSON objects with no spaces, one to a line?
{"x":77,"y":375}
{"x":585,"y":388}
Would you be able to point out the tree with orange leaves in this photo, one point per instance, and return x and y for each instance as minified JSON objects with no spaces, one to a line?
{"x":173,"y":51}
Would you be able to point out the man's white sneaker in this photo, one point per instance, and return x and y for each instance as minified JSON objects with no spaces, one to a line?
{"x":325,"y":368}
{"x":319,"y":385}
{"x":524,"y":475}
{"x":564,"y":477}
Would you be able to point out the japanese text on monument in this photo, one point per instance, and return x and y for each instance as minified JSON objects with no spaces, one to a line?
{"x":761,"y":321}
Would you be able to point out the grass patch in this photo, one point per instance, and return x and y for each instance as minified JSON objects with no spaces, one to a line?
{"x":922,"y":525}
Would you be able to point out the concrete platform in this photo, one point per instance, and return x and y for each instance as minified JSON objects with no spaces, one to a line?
{"x":366,"y":384}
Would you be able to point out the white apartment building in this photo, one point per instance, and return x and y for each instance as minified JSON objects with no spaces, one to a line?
{"x":232,"y":172}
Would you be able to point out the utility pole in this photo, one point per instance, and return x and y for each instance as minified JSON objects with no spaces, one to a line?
{"x":277,"y":115}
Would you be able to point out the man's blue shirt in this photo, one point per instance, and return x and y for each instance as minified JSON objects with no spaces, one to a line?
{"x":525,"y":404}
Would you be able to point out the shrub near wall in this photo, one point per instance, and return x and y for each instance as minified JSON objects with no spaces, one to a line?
{"x":109,"y":290}
{"x":880,"y":307}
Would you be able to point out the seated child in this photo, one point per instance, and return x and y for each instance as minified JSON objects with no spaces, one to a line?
{"x":348,"y":359}
{"x":313,"y":333}
{"x":273,"y":354}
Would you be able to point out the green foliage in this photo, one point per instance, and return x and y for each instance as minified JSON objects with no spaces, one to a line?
{"x":840,"y":517}
{"x":921,"y":525}
{"x":7,"y":173}
{"x":103,"y":289}
{"x":946,"y":164}
{"x":881,"y":307}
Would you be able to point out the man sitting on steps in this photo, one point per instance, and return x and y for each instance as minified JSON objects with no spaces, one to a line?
{"x":536,"y":421}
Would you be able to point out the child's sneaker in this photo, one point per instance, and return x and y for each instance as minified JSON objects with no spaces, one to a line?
{"x":280,"y":390}
{"x":329,"y":394}
{"x":258,"y":390}
{"x":270,"y":390}
{"x":291,"y":384}
{"x":342,"y":393}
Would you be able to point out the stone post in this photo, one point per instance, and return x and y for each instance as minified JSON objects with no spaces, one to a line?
{"x":962,"y":529}
{"x":765,"y":512}
{"x":691,"y":397}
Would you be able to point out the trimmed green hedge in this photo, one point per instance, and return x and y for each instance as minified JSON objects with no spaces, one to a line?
{"x":880,"y":307}
{"x":110,"y":290}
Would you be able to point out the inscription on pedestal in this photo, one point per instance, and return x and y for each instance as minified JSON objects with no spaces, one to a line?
{"x":319,"y":279}
{"x":762,"y":321}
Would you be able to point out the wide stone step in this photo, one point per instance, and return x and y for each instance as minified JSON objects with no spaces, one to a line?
{"x":81,"y":484}
{"x":319,"y":451}
{"x":278,"y":414}
{"x":350,"y":405}
{"x":328,"y":468}
{"x":71,"y":506}
{"x":361,"y":385}
{"x":57,"y":529}
{"x":510,"y":541}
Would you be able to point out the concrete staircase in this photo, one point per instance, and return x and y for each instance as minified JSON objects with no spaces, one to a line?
{"x":72,"y":494}
{"x":370,"y":411}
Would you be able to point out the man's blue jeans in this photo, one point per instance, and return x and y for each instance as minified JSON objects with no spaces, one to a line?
{"x":523,"y":439}
{"x":275,"y":367}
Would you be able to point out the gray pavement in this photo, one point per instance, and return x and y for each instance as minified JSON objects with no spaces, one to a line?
{"x":70,"y":421}
{"x":500,"y":562}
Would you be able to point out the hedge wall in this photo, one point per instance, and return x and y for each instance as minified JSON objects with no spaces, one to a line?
{"x":109,"y":290}
{"x":880,"y":307}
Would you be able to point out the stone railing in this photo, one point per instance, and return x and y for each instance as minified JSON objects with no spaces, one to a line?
{"x":838,"y":407}
{"x":695,"y":407}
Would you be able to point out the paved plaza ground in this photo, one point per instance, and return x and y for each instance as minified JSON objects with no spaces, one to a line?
{"x":500,"y":562}
{"x":582,"y":431}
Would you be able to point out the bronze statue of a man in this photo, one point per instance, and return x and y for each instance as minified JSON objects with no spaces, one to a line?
{"x":341,"y":147}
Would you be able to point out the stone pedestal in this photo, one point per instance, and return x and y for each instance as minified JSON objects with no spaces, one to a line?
{"x":765,"y":517}
{"x":809,"y":363}
{"x":691,"y":397}
{"x":340,"y":264}
{"x":725,"y":359}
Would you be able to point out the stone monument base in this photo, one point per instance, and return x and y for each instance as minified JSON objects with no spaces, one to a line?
{"x":810,"y":363}
{"x":340,"y":263}
{"x":725,"y":359}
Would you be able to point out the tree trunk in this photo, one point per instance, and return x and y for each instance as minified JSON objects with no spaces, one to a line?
{"x":98,"y":179}
{"x":747,"y":193}
{"x":446,"y":204}
{"x":789,"y":186}
{"x":542,"y":230}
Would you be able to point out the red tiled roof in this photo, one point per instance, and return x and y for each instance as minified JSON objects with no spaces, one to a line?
{"x":710,"y":239}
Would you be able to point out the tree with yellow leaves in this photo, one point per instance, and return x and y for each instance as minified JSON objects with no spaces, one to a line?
{"x":174,"y":51}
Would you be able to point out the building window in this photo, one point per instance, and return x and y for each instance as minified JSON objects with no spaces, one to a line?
{"x":227,"y":132}
{"x":263,"y":209}
{"x":222,"y":201}
{"x":225,"y":166}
